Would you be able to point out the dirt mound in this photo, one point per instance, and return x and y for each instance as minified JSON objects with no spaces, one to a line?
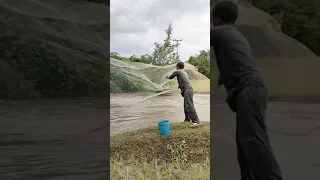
{"x":57,"y":47}
{"x":288,"y":67}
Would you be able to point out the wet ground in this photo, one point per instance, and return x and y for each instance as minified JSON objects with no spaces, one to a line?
{"x":68,"y":139}
{"x":54,"y":140}
{"x":128,"y":113}
{"x":293,"y":132}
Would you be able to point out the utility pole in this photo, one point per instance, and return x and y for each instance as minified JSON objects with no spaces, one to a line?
{"x":177,"y":42}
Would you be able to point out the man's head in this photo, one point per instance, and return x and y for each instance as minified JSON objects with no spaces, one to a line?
{"x":224,"y":12}
{"x":180,"y":65}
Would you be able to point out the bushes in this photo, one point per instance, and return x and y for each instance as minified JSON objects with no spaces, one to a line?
{"x":123,"y":82}
{"x":202,"y":62}
{"x":43,"y":61}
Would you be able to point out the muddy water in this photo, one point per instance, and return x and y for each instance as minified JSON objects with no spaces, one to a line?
{"x":54,"y":140}
{"x":128,"y":113}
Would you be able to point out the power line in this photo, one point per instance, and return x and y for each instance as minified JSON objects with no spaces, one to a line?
{"x":177,"y":42}
{"x":130,"y":18}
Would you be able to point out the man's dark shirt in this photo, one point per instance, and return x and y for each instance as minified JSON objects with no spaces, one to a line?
{"x":183,"y":79}
{"x":234,"y":57}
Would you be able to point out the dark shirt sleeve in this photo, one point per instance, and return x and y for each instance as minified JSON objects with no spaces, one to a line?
{"x":174,"y":74}
{"x":215,"y":40}
{"x":220,"y":81}
{"x":215,"y":36}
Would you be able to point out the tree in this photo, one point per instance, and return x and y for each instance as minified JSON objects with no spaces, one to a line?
{"x":133,"y":58}
{"x":115,"y":55}
{"x":299,"y":19}
{"x":146,"y":59}
{"x":164,"y":54}
{"x":202,"y":62}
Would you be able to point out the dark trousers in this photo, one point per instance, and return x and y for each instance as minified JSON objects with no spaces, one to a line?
{"x":255,"y":154}
{"x":189,"y":109}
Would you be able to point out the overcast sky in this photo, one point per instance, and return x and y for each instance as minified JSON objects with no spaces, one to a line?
{"x":190,"y":21}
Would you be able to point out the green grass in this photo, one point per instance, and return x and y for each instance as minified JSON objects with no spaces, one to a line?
{"x":143,"y":154}
{"x":292,"y":79}
{"x":289,"y":79}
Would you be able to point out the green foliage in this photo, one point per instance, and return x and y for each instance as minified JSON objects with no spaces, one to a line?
{"x":164,"y":53}
{"x":202,"y":62}
{"x":121,"y":81}
{"x":147,"y":59}
{"x":116,"y":55}
{"x":299,"y":19}
{"x":127,"y":76}
{"x":49,"y":57}
{"x":179,"y":151}
{"x":179,"y":146}
{"x":143,"y":154}
{"x":212,"y":2}
{"x":50,"y":73}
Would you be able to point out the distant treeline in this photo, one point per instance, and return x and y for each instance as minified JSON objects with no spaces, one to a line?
{"x":201,"y":60}
{"x":299,"y":19}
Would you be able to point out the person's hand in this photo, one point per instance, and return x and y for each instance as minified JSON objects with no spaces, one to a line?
{"x":167,"y":76}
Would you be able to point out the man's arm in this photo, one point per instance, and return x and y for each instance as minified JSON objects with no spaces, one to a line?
{"x":215,"y":35}
{"x":215,"y":41}
{"x":173,"y":74}
{"x":220,"y":81}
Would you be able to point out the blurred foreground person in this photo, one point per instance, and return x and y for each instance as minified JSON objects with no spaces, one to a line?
{"x":247,"y":94}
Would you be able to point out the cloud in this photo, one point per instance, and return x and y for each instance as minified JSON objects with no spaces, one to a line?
{"x":136,"y":25}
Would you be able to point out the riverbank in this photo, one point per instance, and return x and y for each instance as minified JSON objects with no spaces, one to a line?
{"x":184,"y":154}
{"x":199,"y":86}
{"x":129,"y":113}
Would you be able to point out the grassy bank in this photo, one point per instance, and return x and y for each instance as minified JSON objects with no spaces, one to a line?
{"x":289,"y":79}
{"x":143,"y":154}
{"x":199,"y":86}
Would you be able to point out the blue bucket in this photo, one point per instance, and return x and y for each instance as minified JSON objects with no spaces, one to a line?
{"x":164,"y":127}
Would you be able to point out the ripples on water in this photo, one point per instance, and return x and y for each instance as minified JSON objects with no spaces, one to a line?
{"x":53,"y":140}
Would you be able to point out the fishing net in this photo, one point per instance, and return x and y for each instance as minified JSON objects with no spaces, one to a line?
{"x":128,"y":76}
{"x":56,"y":47}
